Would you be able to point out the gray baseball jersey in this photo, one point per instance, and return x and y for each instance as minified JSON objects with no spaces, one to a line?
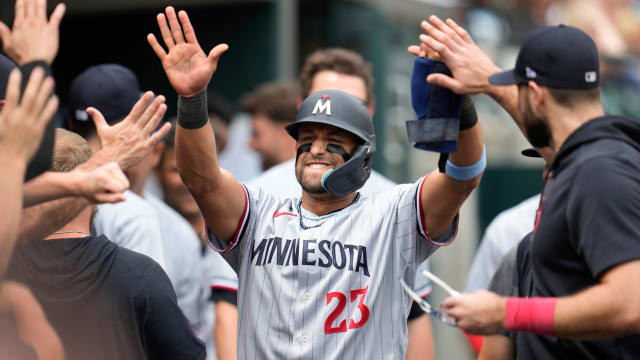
{"x":503,"y":233}
{"x":327,"y":287}
{"x":280,"y":180}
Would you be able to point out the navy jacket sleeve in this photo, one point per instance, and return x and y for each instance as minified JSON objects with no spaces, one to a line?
{"x":604,"y":213}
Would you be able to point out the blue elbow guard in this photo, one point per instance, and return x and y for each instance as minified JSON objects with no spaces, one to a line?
{"x":437,"y":109}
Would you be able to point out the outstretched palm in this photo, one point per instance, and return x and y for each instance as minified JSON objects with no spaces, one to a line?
{"x":188,"y":68}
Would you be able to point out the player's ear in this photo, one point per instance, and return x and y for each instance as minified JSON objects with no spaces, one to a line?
{"x":538,"y":94}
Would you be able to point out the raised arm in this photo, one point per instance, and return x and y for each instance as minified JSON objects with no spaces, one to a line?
{"x":22,"y":123}
{"x":125,"y":143}
{"x":219,"y":195}
{"x":442,"y":194}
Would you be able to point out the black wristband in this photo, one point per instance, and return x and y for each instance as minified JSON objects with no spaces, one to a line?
{"x":468,"y":117}
{"x":41,"y":160}
{"x":192,"y":111}
{"x":26,"y":70}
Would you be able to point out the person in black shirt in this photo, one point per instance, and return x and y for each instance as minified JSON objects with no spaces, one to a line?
{"x":585,"y":248}
{"x":105,"y":302}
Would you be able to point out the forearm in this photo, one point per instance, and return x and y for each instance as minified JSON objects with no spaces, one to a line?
{"x":11,"y":188}
{"x":497,"y":347}
{"x":196,"y":146}
{"x":225,"y":331}
{"x":598,"y":313}
{"x":42,"y":220}
{"x":442,"y":195}
{"x":46,"y":187}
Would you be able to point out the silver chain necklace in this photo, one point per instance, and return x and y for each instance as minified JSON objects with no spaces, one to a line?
{"x":323,"y":217}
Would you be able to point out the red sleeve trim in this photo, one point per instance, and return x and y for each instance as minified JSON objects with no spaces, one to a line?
{"x":239,"y":229}
{"x":421,"y":224}
{"x":226,"y":288}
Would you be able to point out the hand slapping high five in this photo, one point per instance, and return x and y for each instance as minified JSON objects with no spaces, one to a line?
{"x":188,"y":68}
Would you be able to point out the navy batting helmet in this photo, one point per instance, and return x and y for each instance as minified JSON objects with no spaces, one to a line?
{"x":344,"y":111}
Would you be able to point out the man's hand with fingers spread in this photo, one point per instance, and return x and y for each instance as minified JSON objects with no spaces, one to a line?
{"x":448,"y":42}
{"x":131,"y":139}
{"x":22,"y":121}
{"x":188,"y":68}
{"x":32,"y":38}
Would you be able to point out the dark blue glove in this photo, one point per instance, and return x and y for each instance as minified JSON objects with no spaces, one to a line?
{"x":437,"y":109}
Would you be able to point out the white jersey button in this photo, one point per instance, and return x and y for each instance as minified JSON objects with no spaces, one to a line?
{"x":307,"y":296}
{"x":304,"y":339}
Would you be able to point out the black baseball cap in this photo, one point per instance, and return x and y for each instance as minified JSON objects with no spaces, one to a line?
{"x":6,"y":65}
{"x":560,"y":57}
{"x":111,"y":88}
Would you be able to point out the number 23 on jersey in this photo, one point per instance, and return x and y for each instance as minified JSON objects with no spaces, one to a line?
{"x":358,"y":295}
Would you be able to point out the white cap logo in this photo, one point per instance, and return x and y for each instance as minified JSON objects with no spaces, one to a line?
{"x":590,"y":76}
{"x":82,"y":115}
{"x":530,"y":73}
{"x":322,"y":106}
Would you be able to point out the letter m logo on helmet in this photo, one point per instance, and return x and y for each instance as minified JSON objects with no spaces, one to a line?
{"x":322,"y":106}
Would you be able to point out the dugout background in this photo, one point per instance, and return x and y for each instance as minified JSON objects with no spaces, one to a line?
{"x":268,"y":41}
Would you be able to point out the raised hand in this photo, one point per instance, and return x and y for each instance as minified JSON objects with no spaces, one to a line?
{"x":22,"y":122}
{"x":32,"y":37}
{"x":105,"y":184}
{"x":188,"y":68}
{"x":131,"y":139}
{"x":448,"y":42}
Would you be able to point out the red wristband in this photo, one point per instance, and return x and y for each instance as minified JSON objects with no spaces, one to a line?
{"x":533,"y":315}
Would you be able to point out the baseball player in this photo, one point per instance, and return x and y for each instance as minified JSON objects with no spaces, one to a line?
{"x":318,"y":274}
{"x":339,"y":69}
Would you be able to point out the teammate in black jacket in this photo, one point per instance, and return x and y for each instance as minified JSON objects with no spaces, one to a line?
{"x":585,"y":249}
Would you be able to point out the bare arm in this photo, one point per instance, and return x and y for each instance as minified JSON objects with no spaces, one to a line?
{"x":21,"y":121}
{"x":105,"y":184}
{"x":31,"y":322}
{"x":226,"y":330}
{"x":42,"y":220}
{"x":10,"y":185}
{"x":604,"y":311}
{"x":219,"y":196}
{"x":420,"y":345}
{"x":125,"y":143}
{"x":442,"y":196}
{"x":497,"y":347}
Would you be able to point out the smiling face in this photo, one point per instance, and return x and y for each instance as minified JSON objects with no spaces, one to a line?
{"x":312,"y":164}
